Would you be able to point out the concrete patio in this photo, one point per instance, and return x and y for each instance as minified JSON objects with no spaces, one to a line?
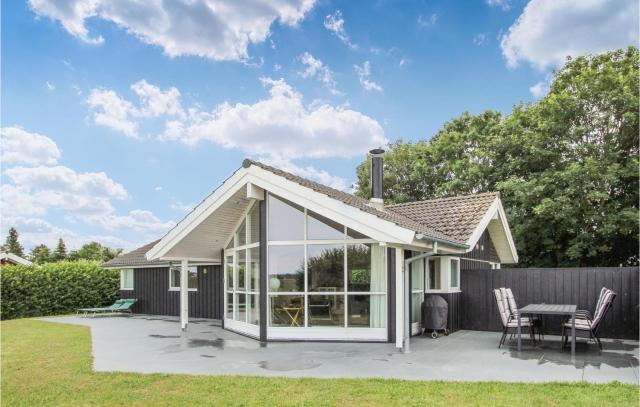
{"x":154,"y":344}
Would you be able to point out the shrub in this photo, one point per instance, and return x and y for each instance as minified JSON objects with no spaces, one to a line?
{"x":55,"y":288}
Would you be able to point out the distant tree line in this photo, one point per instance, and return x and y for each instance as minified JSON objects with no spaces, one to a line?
{"x":566,"y":166}
{"x":41,"y":253}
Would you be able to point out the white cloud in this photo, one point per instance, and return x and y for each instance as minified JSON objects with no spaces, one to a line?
{"x":220,"y":30}
{"x":314,"y":68}
{"x":335,"y":24}
{"x":503,"y":4}
{"x":35,"y":231}
{"x":50,"y":87}
{"x":18,"y":145}
{"x":548,"y":31}
{"x":110,"y":110}
{"x":479,"y":39}
{"x":403,"y":62}
{"x":34,"y":190}
{"x":309,"y":171}
{"x":136,"y":220}
{"x":364,"y":72}
{"x":182,"y":207}
{"x":539,"y":89}
{"x":429,"y":21}
{"x":158,"y":188}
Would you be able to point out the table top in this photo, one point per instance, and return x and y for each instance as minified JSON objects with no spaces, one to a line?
{"x":559,"y":309}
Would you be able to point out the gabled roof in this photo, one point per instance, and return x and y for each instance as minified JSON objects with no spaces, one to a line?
{"x":457,"y":217}
{"x":14,"y":258}
{"x":134,"y":258}
{"x":389,"y":214}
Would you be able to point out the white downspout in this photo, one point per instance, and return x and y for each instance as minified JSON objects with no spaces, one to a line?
{"x":184,"y":294}
{"x":406,"y":329}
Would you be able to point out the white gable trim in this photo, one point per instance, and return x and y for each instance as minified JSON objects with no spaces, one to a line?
{"x":368,"y":224}
{"x":15,"y":258}
{"x":495,"y":211}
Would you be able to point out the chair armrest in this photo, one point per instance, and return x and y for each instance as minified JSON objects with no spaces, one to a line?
{"x":583,"y":313}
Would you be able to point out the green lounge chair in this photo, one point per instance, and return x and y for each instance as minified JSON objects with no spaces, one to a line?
{"x":122,"y":305}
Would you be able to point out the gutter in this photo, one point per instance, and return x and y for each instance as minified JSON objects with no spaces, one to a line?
{"x":406,"y":347}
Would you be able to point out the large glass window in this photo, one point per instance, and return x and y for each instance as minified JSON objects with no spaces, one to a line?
{"x":417,"y":289}
{"x":286,"y":220}
{"x":242,"y":265}
{"x":192,"y":278}
{"x":335,"y":277}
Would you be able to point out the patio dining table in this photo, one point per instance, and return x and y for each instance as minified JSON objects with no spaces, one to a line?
{"x":550,"y":309}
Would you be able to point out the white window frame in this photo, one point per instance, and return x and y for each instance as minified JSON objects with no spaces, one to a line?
{"x":451,"y":286}
{"x":190,"y":269}
{"x":445,"y":275}
{"x":323,"y":332}
{"x":122,"y":279}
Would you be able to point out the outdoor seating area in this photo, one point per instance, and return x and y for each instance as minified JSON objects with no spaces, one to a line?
{"x":530,"y":319}
{"x":152,"y":344}
{"x":118,"y":307}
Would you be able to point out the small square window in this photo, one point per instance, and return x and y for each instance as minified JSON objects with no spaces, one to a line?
{"x":126,"y":279}
{"x":174,"y":278}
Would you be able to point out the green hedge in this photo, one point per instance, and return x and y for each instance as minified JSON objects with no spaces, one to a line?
{"x":56,"y":288}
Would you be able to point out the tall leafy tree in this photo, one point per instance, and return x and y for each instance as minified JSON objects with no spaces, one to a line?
{"x":566,"y":166}
{"x":60,"y":252}
{"x":40,"y":254}
{"x":94,"y":251}
{"x":12,"y":244}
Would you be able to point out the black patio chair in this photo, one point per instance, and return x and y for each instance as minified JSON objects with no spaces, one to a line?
{"x":513,"y":308}
{"x":510,"y":319}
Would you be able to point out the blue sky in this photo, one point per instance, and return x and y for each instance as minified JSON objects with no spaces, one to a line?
{"x":118,"y":117}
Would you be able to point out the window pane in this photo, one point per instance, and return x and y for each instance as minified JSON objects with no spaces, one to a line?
{"x":241,"y":310}
{"x":286,"y":268}
{"x":175,"y":278}
{"x":417,"y":274}
{"x":326,"y":267}
{"x":367,"y":311}
{"x":416,"y":304}
{"x":455,"y":273}
{"x":241,"y":257}
{"x":229,"y":272}
{"x":192,"y":278}
{"x":127,"y":279}
{"x":287,"y":310}
{"x":229,"y":305}
{"x":253,"y":308}
{"x":253,"y":268}
{"x":254,"y":224}
{"x":359,"y":267}
{"x":358,"y":310}
{"x":242,"y":234}
{"x":326,"y":310}
{"x":286,"y":220}
{"x":319,"y":227}
{"x":434,"y":274}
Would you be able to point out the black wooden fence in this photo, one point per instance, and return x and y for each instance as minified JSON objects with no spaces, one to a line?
{"x":581,"y":286}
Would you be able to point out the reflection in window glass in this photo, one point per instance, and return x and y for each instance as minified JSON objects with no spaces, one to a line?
{"x":352,"y":234}
{"x":321,"y":228}
{"x":325,"y":265}
{"x":192,"y":278}
{"x":229,"y":272}
{"x":417,"y":274}
{"x":254,"y":224}
{"x":287,"y":310}
{"x":253,"y":268}
{"x":326,"y":310}
{"x":366,"y":267}
{"x":126,"y":279}
{"x":286,"y":220}
{"x":455,"y":273}
{"x":286,"y":268}
{"x":229,"y":305}
{"x":241,"y":307}
{"x":416,"y":304}
{"x":434,"y":274}
{"x":253,"y":309}
{"x":242,"y":234}
{"x":367,"y":311}
{"x":241,"y":257}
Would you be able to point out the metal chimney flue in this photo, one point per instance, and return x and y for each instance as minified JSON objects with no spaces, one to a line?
{"x":376,"y":178}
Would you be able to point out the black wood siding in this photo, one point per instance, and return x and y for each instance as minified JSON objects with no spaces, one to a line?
{"x":484,"y":250}
{"x":579,"y":286}
{"x":151,"y":288}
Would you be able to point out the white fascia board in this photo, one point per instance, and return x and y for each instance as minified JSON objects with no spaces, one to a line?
{"x":16,"y":259}
{"x":494,"y":210}
{"x":199,"y":214}
{"x":365,"y":223}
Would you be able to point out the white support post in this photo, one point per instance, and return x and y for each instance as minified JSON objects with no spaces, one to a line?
{"x":399,"y":298}
{"x":184,"y":294}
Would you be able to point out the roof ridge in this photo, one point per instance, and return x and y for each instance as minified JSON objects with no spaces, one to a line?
{"x":447,"y":198}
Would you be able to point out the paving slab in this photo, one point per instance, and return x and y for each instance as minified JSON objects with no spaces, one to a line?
{"x":155,"y":344}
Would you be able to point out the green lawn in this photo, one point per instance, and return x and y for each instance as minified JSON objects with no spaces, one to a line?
{"x":50,"y":364}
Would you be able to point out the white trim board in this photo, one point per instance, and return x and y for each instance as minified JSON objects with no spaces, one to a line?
{"x":506,"y":249}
